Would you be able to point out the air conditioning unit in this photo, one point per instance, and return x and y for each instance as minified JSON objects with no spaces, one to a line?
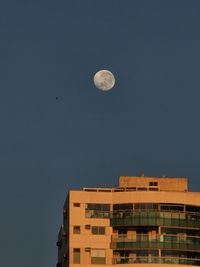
{"x":87,"y":249}
{"x":87,"y":226}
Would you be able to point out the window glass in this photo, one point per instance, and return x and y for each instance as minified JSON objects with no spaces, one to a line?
{"x":153,"y":189}
{"x":142,"y":189}
{"x":98,"y":260}
{"x":98,"y":230}
{"x":127,"y":206}
{"x":145,"y":206}
{"x":97,"y":210}
{"x":192,"y":208}
{"x":153,"y":183}
{"x":171,"y":207}
{"x":76,"y":256}
{"x":101,"y":207}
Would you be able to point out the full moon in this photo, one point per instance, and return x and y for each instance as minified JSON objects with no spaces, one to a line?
{"x":104,"y":80}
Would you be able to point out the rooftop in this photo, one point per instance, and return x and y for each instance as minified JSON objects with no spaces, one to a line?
{"x":142,"y":183}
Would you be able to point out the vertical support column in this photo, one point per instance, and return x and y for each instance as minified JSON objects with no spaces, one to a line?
{"x":159,"y":234}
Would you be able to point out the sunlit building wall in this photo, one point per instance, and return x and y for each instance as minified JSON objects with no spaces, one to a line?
{"x":142,"y":222}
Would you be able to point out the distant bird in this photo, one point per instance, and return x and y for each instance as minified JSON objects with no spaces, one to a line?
{"x":57,"y":97}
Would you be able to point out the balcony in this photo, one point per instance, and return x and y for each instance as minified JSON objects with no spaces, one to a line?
{"x":143,"y":241}
{"x":160,"y":260}
{"x":155,"y":218}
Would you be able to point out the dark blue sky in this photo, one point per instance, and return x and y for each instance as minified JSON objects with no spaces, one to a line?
{"x":148,"y":123}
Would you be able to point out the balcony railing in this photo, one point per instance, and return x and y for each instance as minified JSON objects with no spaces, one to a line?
{"x":160,"y":260}
{"x":150,"y":218}
{"x":97,"y":214}
{"x":178,"y":242}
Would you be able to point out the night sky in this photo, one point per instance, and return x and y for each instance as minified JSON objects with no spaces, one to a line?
{"x":148,"y":123}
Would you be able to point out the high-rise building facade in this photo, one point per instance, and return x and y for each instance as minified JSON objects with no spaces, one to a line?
{"x":145,"y":221}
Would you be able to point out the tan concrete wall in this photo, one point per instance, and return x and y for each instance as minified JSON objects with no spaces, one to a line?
{"x":87,"y":239}
{"x":168,"y":184}
{"x":128,"y":197}
{"x":157,"y":197}
{"x":89,"y":197}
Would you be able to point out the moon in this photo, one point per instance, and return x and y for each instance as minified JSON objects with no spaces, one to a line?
{"x":104,"y":80}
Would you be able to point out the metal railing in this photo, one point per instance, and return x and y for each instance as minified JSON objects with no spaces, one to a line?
{"x":160,"y":260}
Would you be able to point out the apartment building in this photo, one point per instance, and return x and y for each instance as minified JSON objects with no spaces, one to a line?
{"x":142,"y":222}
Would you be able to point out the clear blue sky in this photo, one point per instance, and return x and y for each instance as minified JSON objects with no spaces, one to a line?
{"x":148,"y":123}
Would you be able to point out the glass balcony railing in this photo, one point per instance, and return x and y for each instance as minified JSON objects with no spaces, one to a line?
{"x":178,"y":242}
{"x":97,"y":214}
{"x":160,"y":260}
{"x":150,"y":218}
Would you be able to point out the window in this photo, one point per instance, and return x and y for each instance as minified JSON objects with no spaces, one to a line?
{"x":192,"y":208}
{"x":98,"y":256}
{"x":97,"y":210}
{"x":127,"y":206}
{"x":77,"y":229}
{"x":145,"y":206}
{"x":77,"y":205}
{"x":76,"y":256}
{"x":153,"y":183}
{"x":142,"y":189}
{"x":98,"y":230}
{"x":171,"y":207}
{"x":101,"y":207}
{"x":131,"y":189}
{"x":153,"y":189}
